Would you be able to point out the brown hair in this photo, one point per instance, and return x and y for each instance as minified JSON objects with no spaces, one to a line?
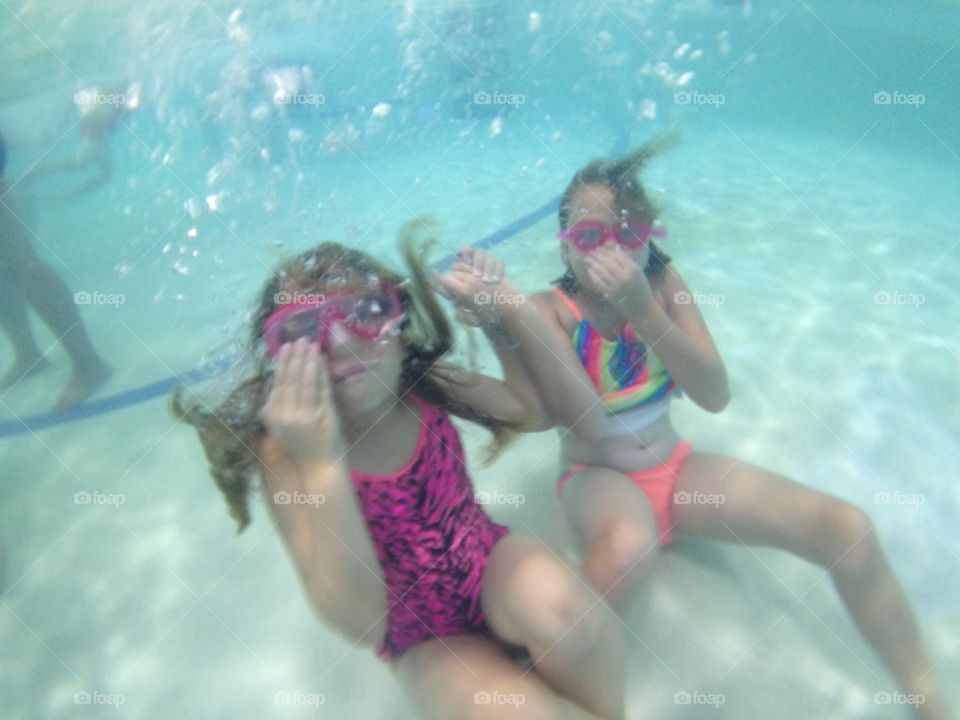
{"x":232,"y":432}
{"x":621,"y":175}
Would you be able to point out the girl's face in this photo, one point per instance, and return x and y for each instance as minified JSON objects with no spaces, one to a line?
{"x":357,"y":329}
{"x":597,"y":203}
{"x":364,"y":374}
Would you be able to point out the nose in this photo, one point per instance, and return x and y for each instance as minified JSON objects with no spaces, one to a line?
{"x":337,"y":336}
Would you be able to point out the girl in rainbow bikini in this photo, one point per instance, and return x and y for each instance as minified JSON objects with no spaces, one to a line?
{"x":628,"y":343}
{"x":346,"y":423}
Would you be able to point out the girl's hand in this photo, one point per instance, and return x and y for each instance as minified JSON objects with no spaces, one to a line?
{"x":299,"y":411}
{"x":475,"y":284}
{"x":481,"y":264}
{"x":619,"y":279}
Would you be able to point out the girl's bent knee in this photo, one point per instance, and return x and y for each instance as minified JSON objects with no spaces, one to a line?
{"x":547,"y":601}
{"x":852,"y":540}
{"x":621,"y":554}
{"x":625,"y":544}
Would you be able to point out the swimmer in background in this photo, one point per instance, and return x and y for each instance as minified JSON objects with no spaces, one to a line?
{"x":100,"y":113}
{"x":26,"y":280}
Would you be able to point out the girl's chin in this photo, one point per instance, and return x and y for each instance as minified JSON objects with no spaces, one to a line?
{"x":360,"y":393}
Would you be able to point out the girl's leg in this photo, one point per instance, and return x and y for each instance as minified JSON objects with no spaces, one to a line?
{"x":615,"y":530}
{"x":27,"y":358}
{"x":761,"y":508}
{"x":50,"y":298}
{"x":463,"y":677}
{"x":532,"y":598}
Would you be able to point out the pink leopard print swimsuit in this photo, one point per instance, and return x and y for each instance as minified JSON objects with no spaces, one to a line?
{"x":431,"y":536}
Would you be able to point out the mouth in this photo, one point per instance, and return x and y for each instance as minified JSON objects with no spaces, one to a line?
{"x":352,"y":372}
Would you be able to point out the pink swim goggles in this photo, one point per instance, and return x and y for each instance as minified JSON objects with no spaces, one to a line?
{"x":369,"y":312}
{"x":588,"y":235}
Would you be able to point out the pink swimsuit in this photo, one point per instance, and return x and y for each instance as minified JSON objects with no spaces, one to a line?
{"x":431,"y":536}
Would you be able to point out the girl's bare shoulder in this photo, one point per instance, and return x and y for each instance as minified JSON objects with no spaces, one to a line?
{"x":554,"y":309}
{"x":670,"y":288}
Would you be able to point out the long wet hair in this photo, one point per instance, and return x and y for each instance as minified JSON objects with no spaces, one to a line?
{"x":622,"y":175}
{"x":232,"y":432}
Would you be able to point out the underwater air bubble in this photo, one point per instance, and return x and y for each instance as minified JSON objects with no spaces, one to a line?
{"x":534,"y":21}
{"x":723,"y":43}
{"x":261,"y":112}
{"x":192,"y":207}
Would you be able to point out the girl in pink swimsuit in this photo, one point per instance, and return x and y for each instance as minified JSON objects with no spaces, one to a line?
{"x":630,"y":339}
{"x":347,"y":424}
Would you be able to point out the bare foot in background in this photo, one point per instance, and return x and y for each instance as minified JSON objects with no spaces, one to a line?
{"x":82,"y":386}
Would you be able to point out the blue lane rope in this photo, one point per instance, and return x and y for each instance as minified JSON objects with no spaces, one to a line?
{"x":128,"y":398}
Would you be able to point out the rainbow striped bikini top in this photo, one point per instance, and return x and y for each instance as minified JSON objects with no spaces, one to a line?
{"x":624,"y":372}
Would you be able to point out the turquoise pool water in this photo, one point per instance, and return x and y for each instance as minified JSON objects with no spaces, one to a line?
{"x":809,"y":204}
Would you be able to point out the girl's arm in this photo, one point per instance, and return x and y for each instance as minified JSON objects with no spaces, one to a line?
{"x":677,"y":333}
{"x":542,"y":367}
{"x":309,"y":493}
{"x":548,"y":358}
{"x":680,"y":338}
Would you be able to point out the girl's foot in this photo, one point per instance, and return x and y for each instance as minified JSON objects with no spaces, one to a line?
{"x":82,"y":386}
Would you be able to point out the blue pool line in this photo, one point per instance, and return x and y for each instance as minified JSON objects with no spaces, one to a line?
{"x":128,"y":398}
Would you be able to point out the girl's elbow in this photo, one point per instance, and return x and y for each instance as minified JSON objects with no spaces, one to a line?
{"x":716,"y":402}
{"x":536,"y":422}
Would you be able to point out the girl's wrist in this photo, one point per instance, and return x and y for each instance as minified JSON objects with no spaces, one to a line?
{"x":498,"y":335}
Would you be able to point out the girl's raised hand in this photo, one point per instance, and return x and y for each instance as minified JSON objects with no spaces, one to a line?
{"x":619,"y":279}
{"x":483,"y":265}
{"x":473,"y":284}
{"x":300,"y":412}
